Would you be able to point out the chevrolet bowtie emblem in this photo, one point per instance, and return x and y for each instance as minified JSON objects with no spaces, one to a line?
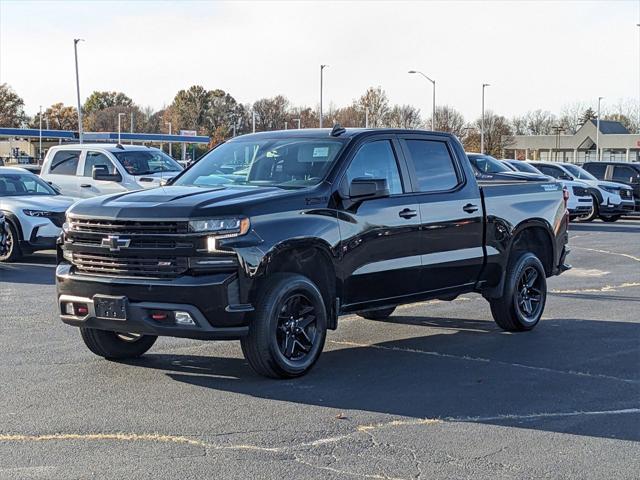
{"x":115,"y":243}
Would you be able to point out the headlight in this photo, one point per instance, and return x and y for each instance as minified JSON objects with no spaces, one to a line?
{"x":38,"y":213}
{"x":606,"y":188}
{"x":228,"y":227}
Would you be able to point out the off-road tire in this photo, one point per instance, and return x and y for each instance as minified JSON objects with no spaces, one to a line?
{"x":376,"y":313}
{"x":112,"y":346}
{"x":506,"y":310}
{"x":262,"y":347}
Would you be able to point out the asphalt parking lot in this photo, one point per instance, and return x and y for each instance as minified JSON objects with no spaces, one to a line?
{"x":438,"y":391}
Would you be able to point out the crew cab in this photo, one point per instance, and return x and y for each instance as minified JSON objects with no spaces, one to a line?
{"x":309,"y":225}
{"x":88,"y":170}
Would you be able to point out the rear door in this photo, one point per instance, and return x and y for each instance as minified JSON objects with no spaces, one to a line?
{"x":63,"y":170}
{"x":451,"y":244}
{"x":380,"y":237}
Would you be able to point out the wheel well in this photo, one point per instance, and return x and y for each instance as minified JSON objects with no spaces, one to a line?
{"x":535,"y":240}
{"x":316,"y":265}
{"x":15,"y":223}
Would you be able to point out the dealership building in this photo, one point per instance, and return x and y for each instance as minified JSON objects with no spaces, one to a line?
{"x":614,"y":141}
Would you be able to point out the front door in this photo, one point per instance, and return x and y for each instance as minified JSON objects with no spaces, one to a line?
{"x":88,"y":187}
{"x":451,"y":246}
{"x":380,"y":237}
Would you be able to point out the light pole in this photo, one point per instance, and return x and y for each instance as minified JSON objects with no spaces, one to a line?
{"x":598,"y":131}
{"x":253,"y":122}
{"x":120,"y":115}
{"x":433,"y":107}
{"x":366,"y":117}
{"x":170,"y":144}
{"x":298,"y":122}
{"x":40,"y":135}
{"x":75,"y":50}
{"x":484,"y":85}
{"x":322,"y":67}
{"x":131,"y":128}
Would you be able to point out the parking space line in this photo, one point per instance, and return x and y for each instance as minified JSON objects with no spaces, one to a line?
{"x":485,"y":360}
{"x":632,"y":257}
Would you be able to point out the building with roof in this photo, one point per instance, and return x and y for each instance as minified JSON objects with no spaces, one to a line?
{"x":615,"y":142}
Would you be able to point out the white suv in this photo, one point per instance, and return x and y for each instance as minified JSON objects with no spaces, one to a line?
{"x":610,"y":200}
{"x":34,"y":213}
{"x":89,"y":170}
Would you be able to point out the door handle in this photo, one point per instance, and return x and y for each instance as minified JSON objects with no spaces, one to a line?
{"x":470,"y":208}
{"x":85,"y":185}
{"x":407,"y":213}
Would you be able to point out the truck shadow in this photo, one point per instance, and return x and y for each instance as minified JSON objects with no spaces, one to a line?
{"x":33,"y":270}
{"x":562,"y":377}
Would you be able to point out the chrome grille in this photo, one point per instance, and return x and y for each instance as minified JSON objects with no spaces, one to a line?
{"x":106,"y":264}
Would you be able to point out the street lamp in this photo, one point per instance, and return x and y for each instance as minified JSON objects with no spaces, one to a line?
{"x":322,"y":67}
{"x":484,"y":85}
{"x":120,"y":115}
{"x":75,"y":50}
{"x":433,"y":112}
{"x":170,"y":144}
{"x":598,"y":156}
{"x":298,"y":122}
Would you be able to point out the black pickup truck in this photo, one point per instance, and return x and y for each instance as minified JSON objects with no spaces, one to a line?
{"x":270,"y":237}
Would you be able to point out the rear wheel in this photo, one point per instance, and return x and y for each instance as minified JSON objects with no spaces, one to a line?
{"x":610,"y":218}
{"x":525,"y":294}
{"x":12,"y":250}
{"x":116,"y":346}
{"x":376,"y":313}
{"x":288,"y":327}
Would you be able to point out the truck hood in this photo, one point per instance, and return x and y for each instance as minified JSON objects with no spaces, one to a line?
{"x":603,"y":183}
{"x":176,"y":202}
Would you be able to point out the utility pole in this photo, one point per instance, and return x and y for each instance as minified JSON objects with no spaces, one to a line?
{"x":598,"y":156}
{"x":322,"y":67}
{"x":253,"y":122}
{"x":286,"y":124}
{"x":131,"y":128}
{"x":557,"y":130}
{"x":120,"y":115}
{"x":40,"y":136}
{"x":484,"y":85}
{"x":75,"y":50}
{"x":366,"y":117}
{"x":170,"y":144}
{"x":433,"y":104}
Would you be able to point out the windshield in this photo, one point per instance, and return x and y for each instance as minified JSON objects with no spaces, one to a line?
{"x":286,"y":163}
{"x":525,"y":167}
{"x":487,"y":164}
{"x":578,"y":172}
{"x":143,"y":162}
{"x":20,"y":184}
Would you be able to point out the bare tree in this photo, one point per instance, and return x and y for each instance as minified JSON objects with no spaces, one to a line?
{"x":376,"y":100}
{"x":571,"y":117}
{"x":498,"y":135}
{"x":271,"y":113}
{"x":404,"y":116}
{"x":448,"y":119}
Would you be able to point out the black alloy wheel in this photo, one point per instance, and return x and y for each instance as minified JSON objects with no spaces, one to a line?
{"x":529,"y":294}
{"x":296,"y":331}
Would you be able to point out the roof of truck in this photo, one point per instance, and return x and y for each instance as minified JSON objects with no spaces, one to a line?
{"x":326,"y":133}
{"x":110,"y":147}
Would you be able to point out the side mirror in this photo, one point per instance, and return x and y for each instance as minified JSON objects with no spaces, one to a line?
{"x":101,"y":172}
{"x":364,"y":188}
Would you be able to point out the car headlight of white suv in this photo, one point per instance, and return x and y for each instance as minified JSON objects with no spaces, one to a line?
{"x":38,"y":213}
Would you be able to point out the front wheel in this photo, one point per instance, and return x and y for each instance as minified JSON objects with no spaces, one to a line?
{"x":593,"y":214}
{"x":610,"y":218}
{"x":12,"y":251}
{"x":288,"y":327}
{"x":116,"y":346}
{"x":524,"y":296}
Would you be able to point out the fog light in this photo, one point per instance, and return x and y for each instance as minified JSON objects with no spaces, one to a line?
{"x":68,"y":309}
{"x":184,"y":318}
{"x":211,"y":244}
{"x":81,"y":309}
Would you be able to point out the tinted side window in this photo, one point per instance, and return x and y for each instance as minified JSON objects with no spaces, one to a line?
{"x":551,"y":171}
{"x":624,"y":174}
{"x":65,"y":163}
{"x":434,"y":166}
{"x":597,"y":171}
{"x":376,"y":160}
{"x":97,"y":159}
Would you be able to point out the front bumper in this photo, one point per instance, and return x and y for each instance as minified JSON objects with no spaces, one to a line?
{"x":211,"y":300}
{"x":623,"y":208}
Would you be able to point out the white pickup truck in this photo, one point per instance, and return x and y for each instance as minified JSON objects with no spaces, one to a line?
{"x":88,"y":170}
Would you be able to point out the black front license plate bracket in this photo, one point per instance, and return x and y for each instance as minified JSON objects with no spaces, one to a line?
{"x":112,"y":308}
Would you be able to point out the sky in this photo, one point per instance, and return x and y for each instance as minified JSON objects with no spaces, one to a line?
{"x":535,"y":55}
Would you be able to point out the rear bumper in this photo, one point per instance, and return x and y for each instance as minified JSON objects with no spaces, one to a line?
{"x":211,"y":300}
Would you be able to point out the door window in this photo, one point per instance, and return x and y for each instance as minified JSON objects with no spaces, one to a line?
{"x":95,"y":159}
{"x":376,"y":160}
{"x":624,"y":174}
{"x":65,"y":163}
{"x":596,"y":170}
{"x":554,"y":172}
{"x":435,"y":170}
